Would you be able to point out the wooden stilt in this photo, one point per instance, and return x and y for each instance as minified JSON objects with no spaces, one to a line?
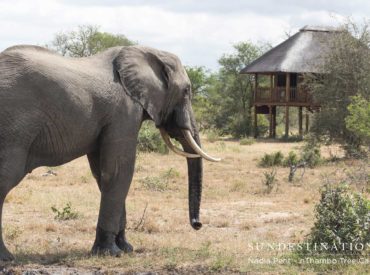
{"x":274,"y":122}
{"x":286,"y":121}
{"x":271,"y":87}
{"x":255,"y":122}
{"x":255,"y":107}
{"x":287,"y":99}
{"x":287,"y":88}
{"x":300,"y":120}
{"x":307,"y":121}
{"x":271,"y":122}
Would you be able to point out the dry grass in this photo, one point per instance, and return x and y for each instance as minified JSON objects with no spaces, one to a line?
{"x":236,"y":213}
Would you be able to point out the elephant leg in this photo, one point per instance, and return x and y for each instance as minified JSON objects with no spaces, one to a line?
{"x":94,"y":161}
{"x":113,"y":195}
{"x":5,"y":255}
{"x":103,"y":241}
{"x":116,"y":164}
{"x":121,"y":240}
{"x":12,"y":170}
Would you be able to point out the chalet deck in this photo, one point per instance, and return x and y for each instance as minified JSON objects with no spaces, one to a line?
{"x":279,"y":75}
{"x":282,"y":95}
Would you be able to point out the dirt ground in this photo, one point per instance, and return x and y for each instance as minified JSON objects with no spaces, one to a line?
{"x":240,"y":220}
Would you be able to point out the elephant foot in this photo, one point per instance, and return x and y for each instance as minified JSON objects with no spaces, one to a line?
{"x":122,"y":243}
{"x":5,"y":255}
{"x":105,"y":244}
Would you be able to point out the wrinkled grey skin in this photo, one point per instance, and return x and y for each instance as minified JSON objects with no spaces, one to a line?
{"x":54,"y":109}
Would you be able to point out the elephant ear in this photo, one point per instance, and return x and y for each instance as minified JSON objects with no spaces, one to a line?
{"x":144,"y":75}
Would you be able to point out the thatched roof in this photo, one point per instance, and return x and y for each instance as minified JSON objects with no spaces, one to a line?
{"x":303,"y":52}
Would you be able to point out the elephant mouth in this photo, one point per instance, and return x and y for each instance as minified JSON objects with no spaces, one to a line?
{"x":199,"y":153}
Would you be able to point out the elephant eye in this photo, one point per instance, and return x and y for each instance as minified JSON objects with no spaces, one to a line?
{"x":187,"y":91}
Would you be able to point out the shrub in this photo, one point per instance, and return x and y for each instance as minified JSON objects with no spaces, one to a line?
{"x":240,"y":125}
{"x":212,"y":136}
{"x":342,"y":221}
{"x":358,"y":120}
{"x":291,"y":159}
{"x":246,"y":141}
{"x":150,"y":139}
{"x":278,"y":158}
{"x":161,"y":182}
{"x":65,"y":214}
{"x":274,"y":159}
{"x":292,"y":138}
{"x":154,"y":184}
{"x":237,"y":186}
{"x":263,"y":125}
{"x":171,"y":173}
{"x":311,"y":155}
{"x":267,"y":160}
{"x":270,"y":180}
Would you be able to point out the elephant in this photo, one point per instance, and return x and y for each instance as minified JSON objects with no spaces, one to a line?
{"x":54,"y":109}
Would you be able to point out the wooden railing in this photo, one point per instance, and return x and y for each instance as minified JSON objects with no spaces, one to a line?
{"x":263,"y":94}
{"x":277,"y":95}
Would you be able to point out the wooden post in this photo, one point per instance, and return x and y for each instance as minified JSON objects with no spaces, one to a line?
{"x":255,"y":106}
{"x":287,"y":97}
{"x":274,"y":122}
{"x":271,"y":122}
{"x":287,"y":88}
{"x":275,"y":96}
{"x":307,"y":121}
{"x":255,"y":122}
{"x":271,"y":87}
{"x":287,"y":121}
{"x":255,"y":86}
{"x":300,"y":118}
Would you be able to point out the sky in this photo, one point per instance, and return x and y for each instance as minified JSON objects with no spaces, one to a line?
{"x":198,"y":31}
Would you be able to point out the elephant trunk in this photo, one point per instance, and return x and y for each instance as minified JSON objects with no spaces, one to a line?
{"x":195,"y":177}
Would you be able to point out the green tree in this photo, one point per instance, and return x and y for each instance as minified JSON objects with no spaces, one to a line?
{"x":201,"y":80}
{"x":198,"y":77}
{"x":358,"y":119}
{"x":86,"y":41}
{"x":347,"y":73}
{"x":231,"y":93}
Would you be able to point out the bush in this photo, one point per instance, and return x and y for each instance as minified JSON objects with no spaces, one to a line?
{"x":161,"y":182}
{"x":267,"y":160}
{"x":212,"y":136}
{"x":154,"y":183}
{"x":274,"y":159}
{"x":240,"y":126}
{"x":342,"y":221}
{"x":263,"y":125}
{"x":278,"y":158}
{"x":358,"y":120}
{"x":150,"y":139}
{"x":65,"y":214}
{"x":292,"y":138}
{"x":291,"y":159}
{"x":246,"y":141}
{"x":270,"y":180}
{"x":311,"y":155}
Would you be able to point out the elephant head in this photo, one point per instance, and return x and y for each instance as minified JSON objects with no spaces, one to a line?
{"x":159,"y":83}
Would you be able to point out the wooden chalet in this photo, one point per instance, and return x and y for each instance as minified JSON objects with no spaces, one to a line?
{"x":279,"y":75}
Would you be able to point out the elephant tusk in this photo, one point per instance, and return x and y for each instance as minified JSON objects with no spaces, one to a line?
{"x":196,"y":147}
{"x":170,"y":145}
